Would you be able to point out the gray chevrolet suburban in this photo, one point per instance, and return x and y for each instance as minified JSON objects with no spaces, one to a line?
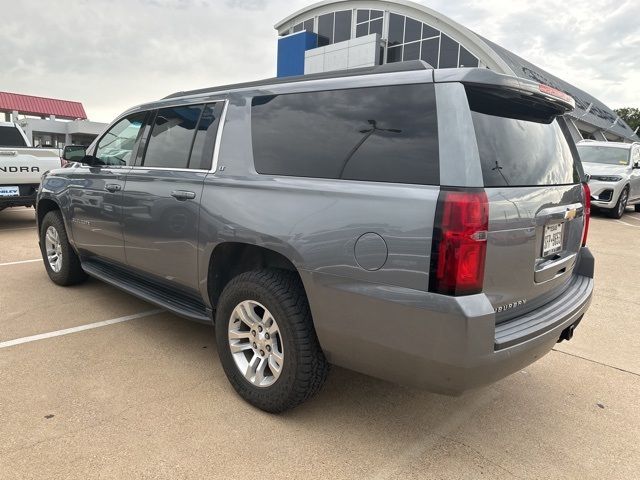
{"x":422,"y":226}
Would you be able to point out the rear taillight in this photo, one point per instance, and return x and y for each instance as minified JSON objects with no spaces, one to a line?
{"x":460,"y":242}
{"x":587,"y":212}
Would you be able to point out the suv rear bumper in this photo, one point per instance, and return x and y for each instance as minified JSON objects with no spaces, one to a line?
{"x":444,"y":344}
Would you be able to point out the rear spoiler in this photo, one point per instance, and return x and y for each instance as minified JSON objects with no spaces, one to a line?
{"x":483,"y":86}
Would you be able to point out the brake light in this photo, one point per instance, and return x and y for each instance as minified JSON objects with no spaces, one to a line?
{"x":587,"y":212}
{"x":460,"y":242}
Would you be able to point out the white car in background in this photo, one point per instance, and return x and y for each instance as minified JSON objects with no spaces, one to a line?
{"x":614,"y":170}
{"x":21,"y":167}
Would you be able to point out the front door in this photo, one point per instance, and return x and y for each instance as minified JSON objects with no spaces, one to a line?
{"x":162,"y":194}
{"x":95,"y":193}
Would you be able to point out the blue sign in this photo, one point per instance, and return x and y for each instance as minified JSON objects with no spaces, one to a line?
{"x":291,"y":52}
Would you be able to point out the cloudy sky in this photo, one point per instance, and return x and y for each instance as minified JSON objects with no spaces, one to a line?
{"x":113,"y":54}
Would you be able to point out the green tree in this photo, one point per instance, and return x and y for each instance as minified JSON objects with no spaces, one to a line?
{"x":630,"y":115}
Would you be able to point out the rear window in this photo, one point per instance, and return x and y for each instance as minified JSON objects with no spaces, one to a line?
{"x":517,"y":152}
{"x":379,"y":134}
{"x":11,"y":137}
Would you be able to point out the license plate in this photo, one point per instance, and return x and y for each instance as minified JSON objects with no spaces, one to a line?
{"x":552,"y":242}
{"x":9,"y":191}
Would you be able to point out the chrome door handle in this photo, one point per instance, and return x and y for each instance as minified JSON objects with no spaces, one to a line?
{"x":113,"y":187}
{"x":183,"y":195}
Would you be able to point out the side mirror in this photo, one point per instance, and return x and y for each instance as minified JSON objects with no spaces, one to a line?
{"x":74,"y":153}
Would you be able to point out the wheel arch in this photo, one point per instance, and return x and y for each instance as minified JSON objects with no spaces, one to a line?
{"x":44,"y":206}
{"x":230,"y":259}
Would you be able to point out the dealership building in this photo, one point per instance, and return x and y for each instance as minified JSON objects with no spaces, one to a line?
{"x":48,"y":121}
{"x":347,"y":34}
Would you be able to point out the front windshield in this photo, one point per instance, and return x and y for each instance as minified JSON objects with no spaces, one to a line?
{"x":606,"y":155}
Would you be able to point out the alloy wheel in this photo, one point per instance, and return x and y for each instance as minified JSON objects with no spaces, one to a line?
{"x":54,"y":249}
{"x":256,"y":343}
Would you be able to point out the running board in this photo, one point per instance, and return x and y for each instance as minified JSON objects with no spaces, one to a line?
{"x":149,"y":291}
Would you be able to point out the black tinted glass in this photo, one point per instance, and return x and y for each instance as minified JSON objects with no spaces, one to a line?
{"x":430,"y":51}
{"x":362,"y":16}
{"x":204,"y":143}
{"x":467,"y":59}
{"x":428,"y":32}
{"x":376,"y":14}
{"x":396,"y":29}
{"x":10,"y":137}
{"x":376,"y":27}
{"x":343,"y":26}
{"x":394,"y":54}
{"x":448,"y":53}
{"x":308,"y":25}
{"x":521,"y":153}
{"x":297,"y":28}
{"x":381,"y":134}
{"x":325,"y":30}
{"x":411,"y":51}
{"x":362,"y":30}
{"x":171,"y":138}
{"x":412,"y":30}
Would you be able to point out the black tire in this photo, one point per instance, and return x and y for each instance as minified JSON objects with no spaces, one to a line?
{"x":618,"y":211}
{"x":71,"y":272}
{"x":304,"y":368}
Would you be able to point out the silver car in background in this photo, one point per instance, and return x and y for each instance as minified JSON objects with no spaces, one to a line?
{"x":614,"y":169}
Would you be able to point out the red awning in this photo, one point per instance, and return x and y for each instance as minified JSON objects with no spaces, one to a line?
{"x":40,"y":106}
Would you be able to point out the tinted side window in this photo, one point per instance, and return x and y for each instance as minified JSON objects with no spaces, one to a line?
{"x":204,"y":143}
{"x":116,"y":146}
{"x":171,"y":137}
{"x":380,"y":134}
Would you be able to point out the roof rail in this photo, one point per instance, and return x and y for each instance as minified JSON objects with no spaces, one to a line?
{"x":413,"y":65}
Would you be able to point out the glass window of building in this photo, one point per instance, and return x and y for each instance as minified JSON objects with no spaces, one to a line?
{"x":369,"y":22}
{"x":410,"y":39}
{"x":307,"y":25}
{"x":334,"y":27}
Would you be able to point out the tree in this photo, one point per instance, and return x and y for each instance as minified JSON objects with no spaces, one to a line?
{"x":630,"y":115}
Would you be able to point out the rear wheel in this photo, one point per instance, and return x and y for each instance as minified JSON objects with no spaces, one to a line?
{"x":618,"y":210}
{"x":60,"y":260}
{"x":266,"y":340}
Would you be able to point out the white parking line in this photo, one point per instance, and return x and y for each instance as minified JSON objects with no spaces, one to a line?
{"x":81,"y":328}
{"x":20,"y":262}
{"x":13,"y":229}
{"x":628,"y":224}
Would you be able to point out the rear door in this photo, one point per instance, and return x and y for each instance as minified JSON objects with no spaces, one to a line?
{"x":163,"y":192}
{"x":531,"y":175}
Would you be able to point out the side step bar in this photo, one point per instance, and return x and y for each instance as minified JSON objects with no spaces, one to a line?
{"x":175,"y":302}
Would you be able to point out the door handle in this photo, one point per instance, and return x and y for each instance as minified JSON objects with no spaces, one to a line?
{"x":183,"y":195}
{"x":113,"y":187}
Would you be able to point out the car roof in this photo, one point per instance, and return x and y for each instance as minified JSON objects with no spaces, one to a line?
{"x":414,"y":65}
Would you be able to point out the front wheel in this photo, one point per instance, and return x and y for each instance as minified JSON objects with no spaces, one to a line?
{"x":60,"y":260}
{"x":618,"y":210}
{"x":266,"y":341}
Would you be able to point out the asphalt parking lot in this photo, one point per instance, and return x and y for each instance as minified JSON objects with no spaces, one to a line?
{"x":147,"y":397}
